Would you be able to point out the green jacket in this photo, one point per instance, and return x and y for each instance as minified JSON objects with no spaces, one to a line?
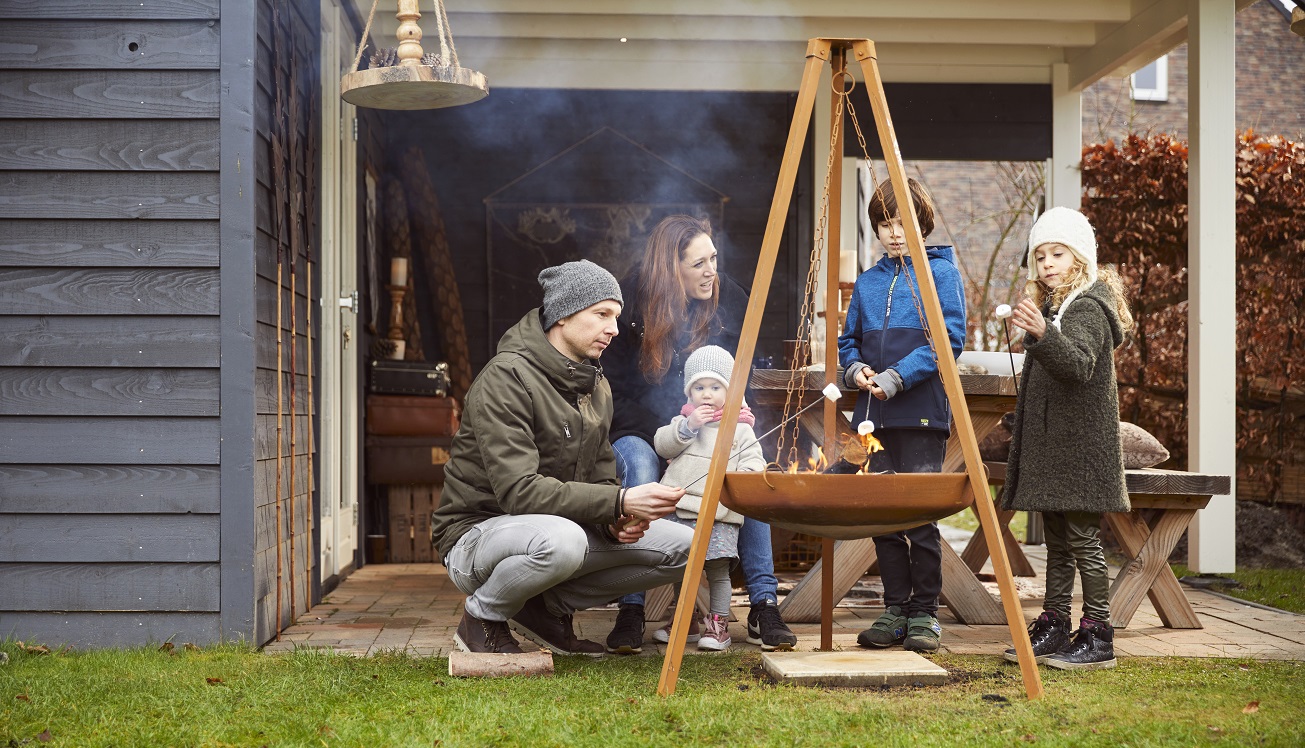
{"x":1064,"y":451}
{"x":533,"y":440}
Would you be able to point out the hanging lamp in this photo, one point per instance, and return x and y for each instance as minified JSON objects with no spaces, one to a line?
{"x":410,"y":78}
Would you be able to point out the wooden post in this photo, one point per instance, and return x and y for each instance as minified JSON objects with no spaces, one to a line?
{"x":279,"y":411}
{"x":817,"y":54}
{"x":865,"y":54}
{"x":834,"y":213}
{"x":312,"y":439}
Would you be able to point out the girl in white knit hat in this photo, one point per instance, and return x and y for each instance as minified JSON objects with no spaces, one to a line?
{"x":687,"y":442}
{"x":1065,"y":458}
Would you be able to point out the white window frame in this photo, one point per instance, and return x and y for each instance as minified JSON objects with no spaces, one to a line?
{"x":1161,"y":90}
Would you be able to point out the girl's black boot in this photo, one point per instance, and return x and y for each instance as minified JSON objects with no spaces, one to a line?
{"x":1049,"y":633}
{"x":1092,"y":647}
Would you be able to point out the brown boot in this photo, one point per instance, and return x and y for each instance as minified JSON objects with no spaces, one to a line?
{"x":478,"y":635}
{"x":554,"y":632}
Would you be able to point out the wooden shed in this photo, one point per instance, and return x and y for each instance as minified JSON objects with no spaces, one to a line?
{"x":161,"y":172}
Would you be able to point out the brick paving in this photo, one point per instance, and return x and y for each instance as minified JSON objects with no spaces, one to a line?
{"x":415,"y":608}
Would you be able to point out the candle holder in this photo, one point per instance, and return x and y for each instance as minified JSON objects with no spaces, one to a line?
{"x":395,"y":335}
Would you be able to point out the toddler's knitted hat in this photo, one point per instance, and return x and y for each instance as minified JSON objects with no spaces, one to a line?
{"x":709,"y":361}
{"x":1069,"y":227}
{"x":573,"y":286}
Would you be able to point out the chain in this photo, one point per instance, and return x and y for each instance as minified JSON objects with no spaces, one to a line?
{"x":802,"y":346}
{"x":874,"y":179}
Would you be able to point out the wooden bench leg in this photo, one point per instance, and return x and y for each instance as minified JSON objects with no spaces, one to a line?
{"x":963,"y":593}
{"x":975,"y":554}
{"x":802,"y":605}
{"x":1148,"y":573}
{"x":657,"y":600}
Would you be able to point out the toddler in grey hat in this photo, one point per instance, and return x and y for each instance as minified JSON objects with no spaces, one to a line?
{"x":573,"y":286}
{"x":688,"y":443}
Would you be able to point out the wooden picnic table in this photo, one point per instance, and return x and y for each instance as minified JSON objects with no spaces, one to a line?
{"x":1147,"y":537}
{"x":1164,"y":502}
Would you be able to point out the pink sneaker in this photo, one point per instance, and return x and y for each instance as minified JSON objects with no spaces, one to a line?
{"x":663,"y":634}
{"x":716,"y":633}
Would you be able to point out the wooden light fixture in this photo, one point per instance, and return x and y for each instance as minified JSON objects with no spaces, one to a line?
{"x":419,"y":80}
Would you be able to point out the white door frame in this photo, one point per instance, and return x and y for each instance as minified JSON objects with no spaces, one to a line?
{"x":339,"y":452}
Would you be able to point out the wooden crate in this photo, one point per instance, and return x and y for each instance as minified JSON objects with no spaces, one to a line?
{"x":410,"y":515}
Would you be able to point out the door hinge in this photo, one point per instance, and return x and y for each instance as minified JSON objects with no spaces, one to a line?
{"x":355,"y":129}
{"x":350,"y":302}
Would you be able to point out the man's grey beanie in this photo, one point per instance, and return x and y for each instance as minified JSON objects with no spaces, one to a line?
{"x":573,"y":286}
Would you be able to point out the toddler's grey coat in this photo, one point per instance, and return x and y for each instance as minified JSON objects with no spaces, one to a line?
{"x":1064,"y":453}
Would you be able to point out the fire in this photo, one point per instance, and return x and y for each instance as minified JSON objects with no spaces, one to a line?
{"x":818,"y":463}
{"x":871,"y":444}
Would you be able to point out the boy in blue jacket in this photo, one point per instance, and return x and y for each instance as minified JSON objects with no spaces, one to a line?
{"x":885,"y":353}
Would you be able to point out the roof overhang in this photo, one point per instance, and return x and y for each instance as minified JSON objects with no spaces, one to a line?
{"x":758,"y":45}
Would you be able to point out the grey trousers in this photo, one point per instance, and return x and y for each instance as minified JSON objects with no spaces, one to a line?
{"x":1074,"y":539}
{"x":504,"y":561}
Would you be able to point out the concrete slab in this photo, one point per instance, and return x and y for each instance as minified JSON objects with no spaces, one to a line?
{"x":858,"y":668}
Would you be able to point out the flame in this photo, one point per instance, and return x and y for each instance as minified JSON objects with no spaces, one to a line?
{"x":871,"y":445}
{"x":818,"y":463}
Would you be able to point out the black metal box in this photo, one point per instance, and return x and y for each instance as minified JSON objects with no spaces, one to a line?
{"x":409,"y":378}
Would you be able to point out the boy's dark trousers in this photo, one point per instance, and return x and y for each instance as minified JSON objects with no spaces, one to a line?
{"x":910,"y":561}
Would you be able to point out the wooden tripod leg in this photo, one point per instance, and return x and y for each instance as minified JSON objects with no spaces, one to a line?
{"x":817,"y":54}
{"x":834,"y":208}
{"x":978,"y":484}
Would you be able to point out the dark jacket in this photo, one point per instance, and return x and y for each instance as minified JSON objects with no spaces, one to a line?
{"x":885,"y":330}
{"x":1064,"y":451}
{"x":533,"y":440}
{"x":641,"y":407}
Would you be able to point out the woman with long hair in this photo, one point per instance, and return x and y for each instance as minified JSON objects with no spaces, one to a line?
{"x":676,"y":303}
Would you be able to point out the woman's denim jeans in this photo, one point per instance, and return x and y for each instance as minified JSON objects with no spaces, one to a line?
{"x":637,"y":463}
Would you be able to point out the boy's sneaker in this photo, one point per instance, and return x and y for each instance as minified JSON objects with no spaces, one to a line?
{"x":716,"y":633}
{"x":1049,"y":633}
{"x":766,"y":628}
{"x":887,"y":630}
{"x":627,"y":635}
{"x":923,"y":634}
{"x":663,"y":634}
{"x":1092,"y":647}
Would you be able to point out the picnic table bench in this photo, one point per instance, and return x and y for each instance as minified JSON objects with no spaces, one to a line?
{"x":1176,"y":496}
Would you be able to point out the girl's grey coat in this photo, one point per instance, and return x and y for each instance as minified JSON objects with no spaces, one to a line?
{"x":1064,"y":453}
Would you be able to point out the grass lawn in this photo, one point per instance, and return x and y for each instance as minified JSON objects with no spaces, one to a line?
{"x":1278,"y":588}
{"x":235,"y":696}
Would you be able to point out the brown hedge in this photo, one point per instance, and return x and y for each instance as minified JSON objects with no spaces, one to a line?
{"x":1135,"y":194}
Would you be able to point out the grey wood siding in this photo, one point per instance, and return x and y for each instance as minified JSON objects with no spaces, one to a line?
{"x":286,"y":174}
{"x":111,"y":530}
